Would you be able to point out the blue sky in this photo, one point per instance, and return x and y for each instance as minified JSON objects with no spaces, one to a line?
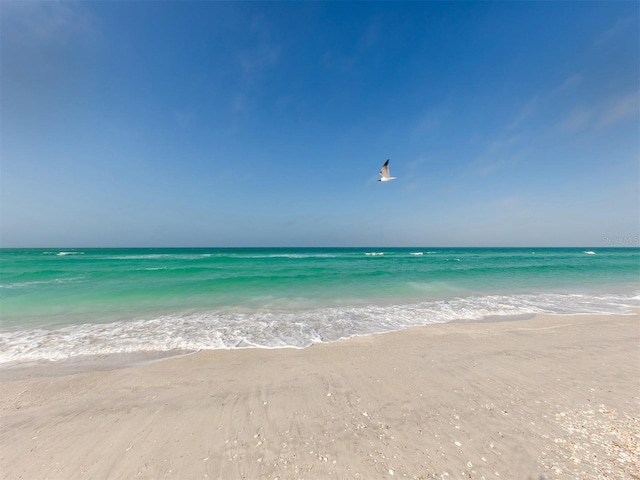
{"x":265,"y":123}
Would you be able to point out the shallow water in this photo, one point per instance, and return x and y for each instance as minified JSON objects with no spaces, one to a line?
{"x":57,"y":304}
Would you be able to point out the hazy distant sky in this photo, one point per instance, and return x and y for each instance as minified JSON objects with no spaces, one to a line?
{"x":265,"y":123}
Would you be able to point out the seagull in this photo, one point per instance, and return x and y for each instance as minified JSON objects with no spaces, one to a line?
{"x":384,"y":173}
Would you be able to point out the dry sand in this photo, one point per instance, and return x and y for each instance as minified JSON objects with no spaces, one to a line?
{"x":549,"y":397}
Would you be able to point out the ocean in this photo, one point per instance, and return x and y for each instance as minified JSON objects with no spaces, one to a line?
{"x":58,"y":304}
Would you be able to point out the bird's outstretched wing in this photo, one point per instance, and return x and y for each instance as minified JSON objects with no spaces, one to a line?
{"x":384,"y":171}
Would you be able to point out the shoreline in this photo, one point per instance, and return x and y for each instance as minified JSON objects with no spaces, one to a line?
{"x":84,"y":363}
{"x":547,"y":397}
{"x":81,"y":364}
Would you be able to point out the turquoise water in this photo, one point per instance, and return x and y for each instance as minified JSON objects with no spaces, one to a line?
{"x":57,"y":304}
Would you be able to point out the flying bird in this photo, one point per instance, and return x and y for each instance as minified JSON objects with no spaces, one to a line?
{"x":384,"y":173}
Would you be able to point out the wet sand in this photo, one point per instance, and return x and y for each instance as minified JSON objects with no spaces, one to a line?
{"x":548,"y":397}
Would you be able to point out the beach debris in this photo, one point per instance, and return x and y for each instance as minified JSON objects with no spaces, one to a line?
{"x":603,"y":439}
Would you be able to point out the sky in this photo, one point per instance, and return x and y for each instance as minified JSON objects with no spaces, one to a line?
{"x":239,"y":124}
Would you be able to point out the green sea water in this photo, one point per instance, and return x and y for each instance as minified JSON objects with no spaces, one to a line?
{"x":58,"y":304}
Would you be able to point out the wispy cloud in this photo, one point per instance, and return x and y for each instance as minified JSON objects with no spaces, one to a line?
{"x":602,"y":114}
{"x":539,"y":103}
{"x":238,"y":104}
{"x":261,"y":53}
{"x":371,"y":34}
{"x":577,"y":109}
{"x":499,"y":154}
{"x":347,"y":59}
{"x":185,"y":118}
{"x":256,"y":55}
{"x":47,"y":24}
{"x":512,"y":145}
{"x":43,"y":45}
{"x":428,"y":122}
{"x":618,"y":28}
{"x":620,"y":108}
{"x":339,"y":61}
{"x":257,"y":60}
{"x":577,"y":120}
{"x":527,"y":111}
{"x":571,"y":83}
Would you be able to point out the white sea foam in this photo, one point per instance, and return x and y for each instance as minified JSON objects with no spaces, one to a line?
{"x":62,"y":254}
{"x":280,"y":329}
{"x":289,"y":255}
{"x":54,"y":281}
{"x":160,"y":256}
{"x":138,"y":257}
{"x":374,"y":254}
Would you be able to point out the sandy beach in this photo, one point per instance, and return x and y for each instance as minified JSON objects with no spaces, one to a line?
{"x":542,"y":398}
